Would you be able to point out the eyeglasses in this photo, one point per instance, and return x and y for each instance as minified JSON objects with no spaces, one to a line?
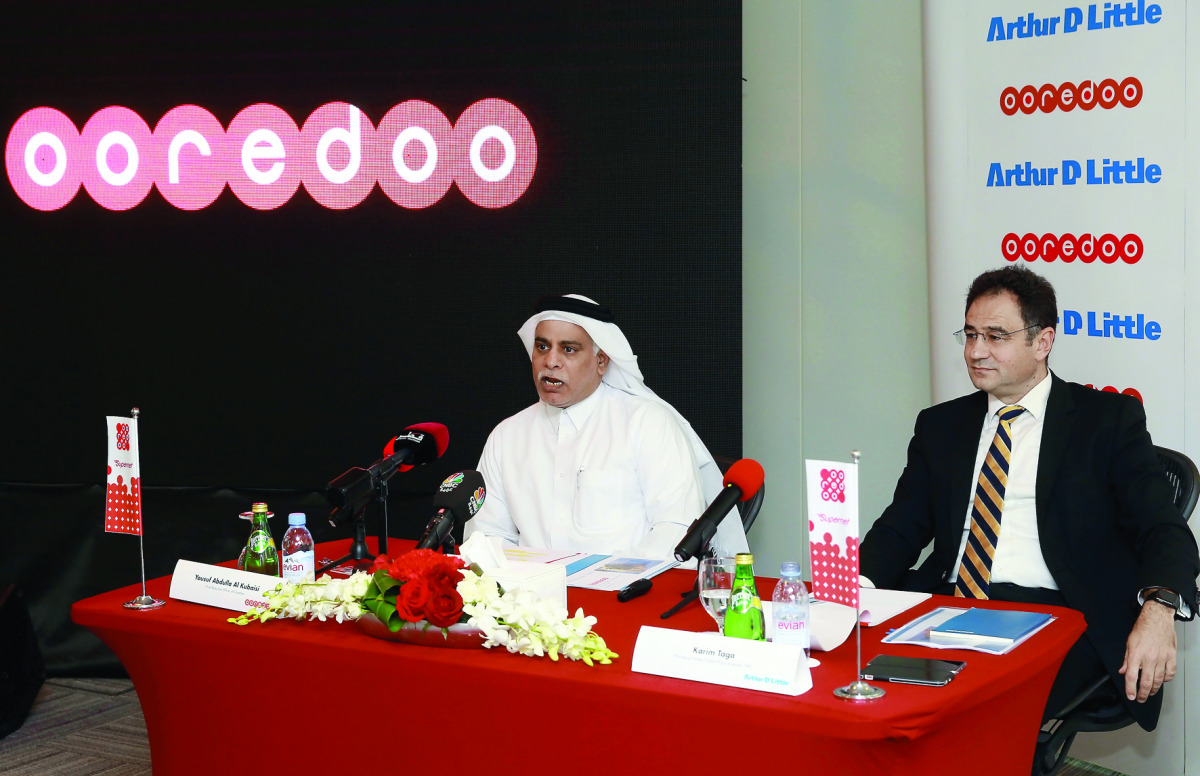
{"x":990,"y":337}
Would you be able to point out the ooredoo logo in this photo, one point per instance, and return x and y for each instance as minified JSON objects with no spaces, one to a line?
{"x":1067,"y":96}
{"x":1067,"y":247}
{"x":414,"y":155}
{"x":833,"y":485}
{"x":1134,"y":392}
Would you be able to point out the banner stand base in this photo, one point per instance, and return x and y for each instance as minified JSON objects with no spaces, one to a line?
{"x":860,"y":691}
{"x":143,"y":603}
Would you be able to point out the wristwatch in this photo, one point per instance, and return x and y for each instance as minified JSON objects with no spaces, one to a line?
{"x":1168,"y":598}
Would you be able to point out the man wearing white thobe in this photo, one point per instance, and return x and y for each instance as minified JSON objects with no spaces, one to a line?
{"x":601,"y":463}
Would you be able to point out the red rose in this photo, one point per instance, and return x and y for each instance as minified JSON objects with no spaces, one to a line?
{"x":411,"y":600}
{"x":444,"y":609}
{"x":443,"y":579}
{"x":381,"y":562}
{"x":417,"y":563}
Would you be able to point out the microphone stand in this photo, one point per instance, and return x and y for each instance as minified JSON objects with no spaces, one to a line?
{"x":383,"y":530}
{"x":359,"y":551}
{"x":694,"y":593}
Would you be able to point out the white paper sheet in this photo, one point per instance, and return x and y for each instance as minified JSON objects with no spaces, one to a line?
{"x":878,"y":605}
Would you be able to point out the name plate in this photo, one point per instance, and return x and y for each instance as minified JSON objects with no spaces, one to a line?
{"x":707,"y":657}
{"x":227,"y":588}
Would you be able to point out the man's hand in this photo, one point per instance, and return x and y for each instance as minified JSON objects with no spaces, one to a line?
{"x":1149,"y":652}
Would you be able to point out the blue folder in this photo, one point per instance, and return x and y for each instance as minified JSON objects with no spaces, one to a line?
{"x":998,"y":626}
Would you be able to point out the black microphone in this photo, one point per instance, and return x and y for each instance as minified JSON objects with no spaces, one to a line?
{"x":419,"y":444}
{"x":458,"y":498}
{"x":741,"y":482}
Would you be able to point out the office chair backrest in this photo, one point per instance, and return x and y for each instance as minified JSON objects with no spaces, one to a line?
{"x":1100,"y":708}
{"x":748,"y":509}
{"x":1184,"y":477}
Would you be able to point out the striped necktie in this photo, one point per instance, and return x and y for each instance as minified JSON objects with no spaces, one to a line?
{"x":975,"y":570}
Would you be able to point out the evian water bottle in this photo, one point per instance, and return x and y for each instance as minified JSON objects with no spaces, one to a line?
{"x":789,"y":607}
{"x":299,"y":561}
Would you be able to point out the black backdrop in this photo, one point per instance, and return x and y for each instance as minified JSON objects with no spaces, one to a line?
{"x":274,"y":349}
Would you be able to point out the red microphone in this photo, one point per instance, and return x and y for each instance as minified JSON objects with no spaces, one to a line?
{"x":742,"y":481}
{"x":420,"y":443}
{"x":746,"y":475}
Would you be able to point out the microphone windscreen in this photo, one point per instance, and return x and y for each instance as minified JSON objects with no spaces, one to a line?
{"x":748,"y":475}
{"x":462,"y":493}
{"x":436,"y":439}
{"x":440,"y":434}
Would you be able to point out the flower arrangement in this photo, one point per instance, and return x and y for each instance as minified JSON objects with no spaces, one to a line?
{"x":424,"y":586}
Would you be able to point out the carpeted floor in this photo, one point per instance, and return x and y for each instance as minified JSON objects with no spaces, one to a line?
{"x":80,"y":727}
{"x":94,"y":727}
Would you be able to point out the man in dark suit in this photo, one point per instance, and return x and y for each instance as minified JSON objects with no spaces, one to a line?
{"x":1083,"y":514}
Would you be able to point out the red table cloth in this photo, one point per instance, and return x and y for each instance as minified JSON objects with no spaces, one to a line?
{"x":311,"y":697}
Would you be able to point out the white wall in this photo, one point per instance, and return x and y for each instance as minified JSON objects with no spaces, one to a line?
{"x":771,"y":380}
{"x":836,"y":354}
{"x":833,"y":249}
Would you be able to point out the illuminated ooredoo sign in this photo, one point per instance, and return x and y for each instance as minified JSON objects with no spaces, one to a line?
{"x":414,"y":155}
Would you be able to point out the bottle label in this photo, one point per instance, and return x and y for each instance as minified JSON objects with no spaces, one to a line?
{"x":260,"y":541}
{"x":299,"y":566}
{"x":741,"y":601}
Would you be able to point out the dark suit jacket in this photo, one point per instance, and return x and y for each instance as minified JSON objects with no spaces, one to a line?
{"x":1106,"y":522}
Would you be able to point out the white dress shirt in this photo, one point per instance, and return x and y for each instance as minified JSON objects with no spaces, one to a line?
{"x":613,"y":474}
{"x":1018,"y":558}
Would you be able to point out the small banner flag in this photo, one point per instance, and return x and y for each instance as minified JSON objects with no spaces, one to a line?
{"x":833,"y":530}
{"x":123,"y":492}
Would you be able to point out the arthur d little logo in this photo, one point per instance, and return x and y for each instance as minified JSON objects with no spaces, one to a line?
{"x":415,"y":154}
{"x":833,"y":485}
{"x":122,"y":436}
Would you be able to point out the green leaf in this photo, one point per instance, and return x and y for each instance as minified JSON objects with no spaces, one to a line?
{"x":385,"y":582}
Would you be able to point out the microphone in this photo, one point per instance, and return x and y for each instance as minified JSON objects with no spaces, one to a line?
{"x":419,"y":444}
{"x":459,"y":497}
{"x":741,"y":482}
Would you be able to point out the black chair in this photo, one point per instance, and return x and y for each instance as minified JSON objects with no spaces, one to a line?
{"x":748,"y":509}
{"x":1100,"y":708}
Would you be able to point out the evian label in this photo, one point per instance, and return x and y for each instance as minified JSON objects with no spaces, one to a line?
{"x":299,"y":566}
{"x":791,"y":631}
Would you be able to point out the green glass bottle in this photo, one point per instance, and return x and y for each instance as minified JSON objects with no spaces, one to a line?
{"x":744,"y":619}
{"x":261,"y":555}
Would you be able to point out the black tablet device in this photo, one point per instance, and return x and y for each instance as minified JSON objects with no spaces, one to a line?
{"x":912,"y":670}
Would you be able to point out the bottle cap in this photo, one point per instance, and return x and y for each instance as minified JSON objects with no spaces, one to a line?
{"x":258,"y":507}
{"x":744,"y":558}
{"x":296,"y":518}
{"x":789,"y":569}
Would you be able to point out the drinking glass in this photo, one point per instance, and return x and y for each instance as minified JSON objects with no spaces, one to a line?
{"x":716,"y":582}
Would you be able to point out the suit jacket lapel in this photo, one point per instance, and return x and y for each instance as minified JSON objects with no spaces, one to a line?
{"x":963,"y":448}
{"x":1056,"y":430}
